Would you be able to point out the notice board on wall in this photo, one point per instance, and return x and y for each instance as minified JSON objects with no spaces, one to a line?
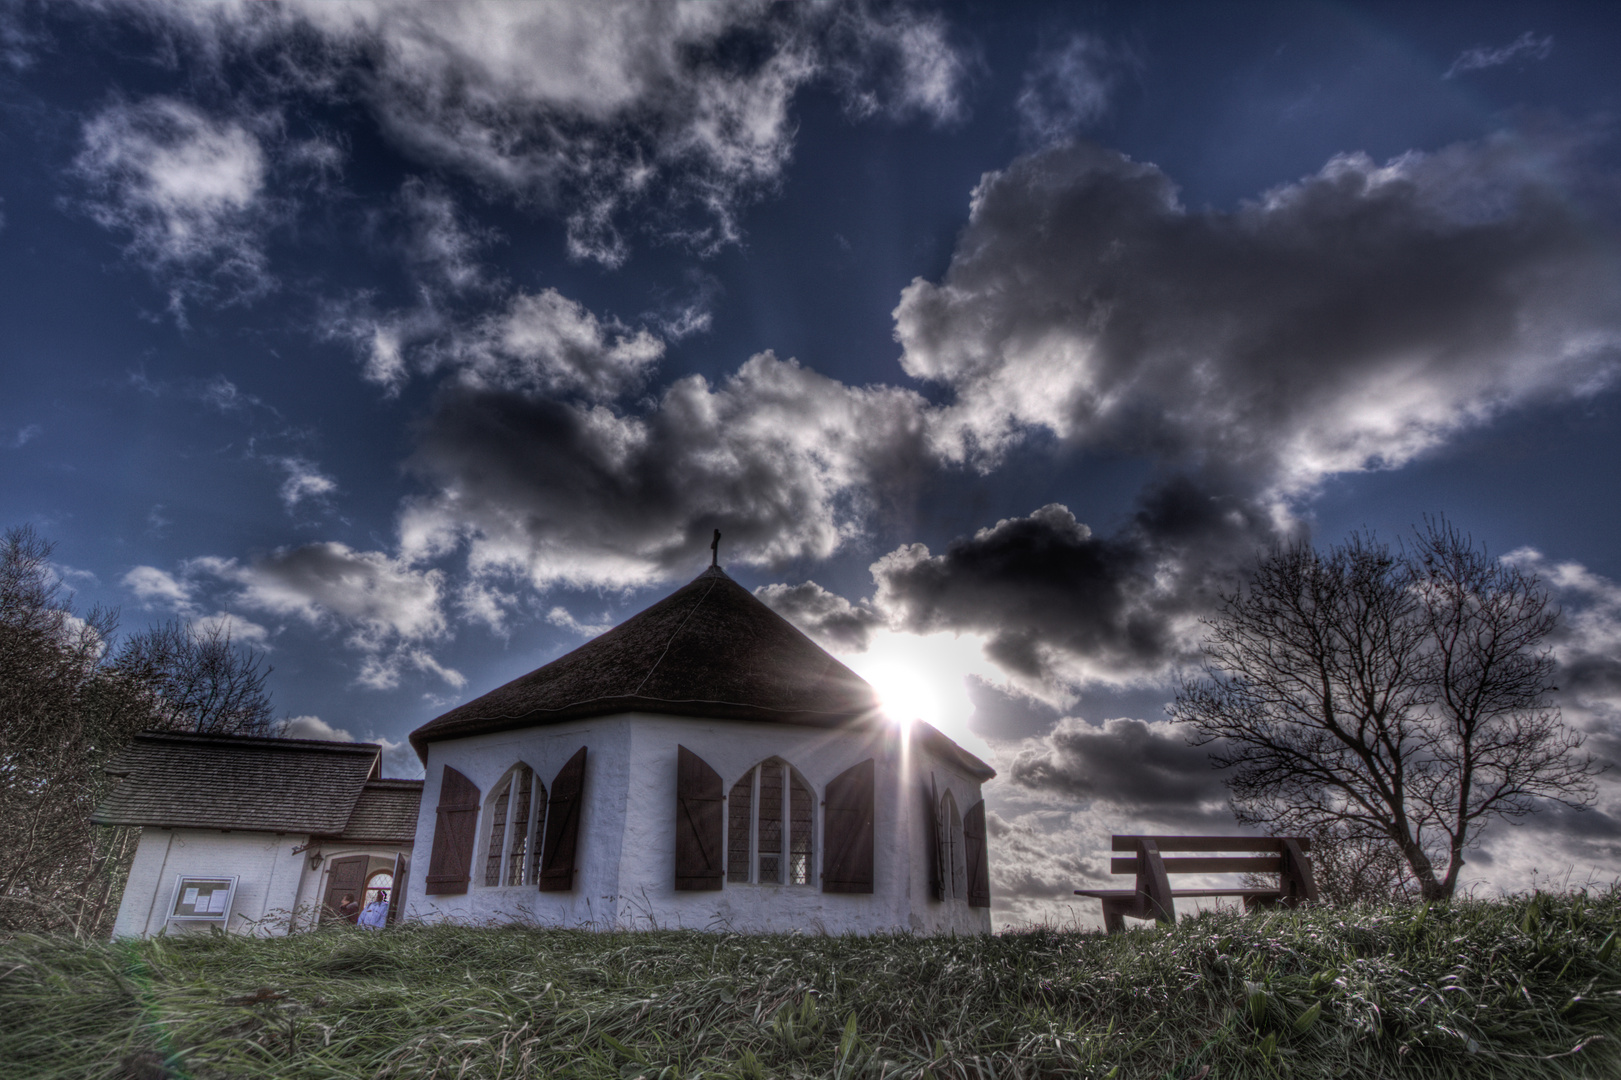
{"x":202,"y":898}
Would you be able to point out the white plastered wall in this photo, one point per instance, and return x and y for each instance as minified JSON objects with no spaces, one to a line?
{"x":625,"y":866}
{"x":267,"y":889}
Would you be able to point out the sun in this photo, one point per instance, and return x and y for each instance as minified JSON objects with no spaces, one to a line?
{"x":904,"y":694}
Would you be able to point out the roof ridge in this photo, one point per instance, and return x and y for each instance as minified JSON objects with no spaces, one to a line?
{"x":266,"y":742}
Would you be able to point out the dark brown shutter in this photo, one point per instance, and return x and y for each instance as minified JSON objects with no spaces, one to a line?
{"x":979,"y":866}
{"x":700,"y":816}
{"x":346,"y":876}
{"x":563,"y":826}
{"x":933,"y":842}
{"x":451,"y":861}
{"x":847,"y":831}
{"x":396,"y":897}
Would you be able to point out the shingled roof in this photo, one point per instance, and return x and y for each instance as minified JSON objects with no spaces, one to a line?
{"x":708,"y":649}
{"x":385,"y":811}
{"x":238,"y":782}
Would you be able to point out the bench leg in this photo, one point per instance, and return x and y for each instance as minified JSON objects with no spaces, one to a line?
{"x":1114,"y":915}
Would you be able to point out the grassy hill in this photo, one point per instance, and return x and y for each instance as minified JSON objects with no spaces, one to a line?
{"x":1529,"y":987}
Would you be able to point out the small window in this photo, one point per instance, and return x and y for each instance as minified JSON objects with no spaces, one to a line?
{"x":517,"y":816}
{"x":770,"y":818}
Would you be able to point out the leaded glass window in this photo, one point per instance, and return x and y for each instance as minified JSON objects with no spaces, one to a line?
{"x":770,"y":821}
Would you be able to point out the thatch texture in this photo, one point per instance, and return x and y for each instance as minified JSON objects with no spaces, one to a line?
{"x":708,"y":649}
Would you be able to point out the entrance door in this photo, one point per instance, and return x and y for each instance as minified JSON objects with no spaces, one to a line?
{"x":347,"y":877}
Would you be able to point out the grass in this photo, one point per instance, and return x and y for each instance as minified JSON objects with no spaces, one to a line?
{"x":1527,"y":987}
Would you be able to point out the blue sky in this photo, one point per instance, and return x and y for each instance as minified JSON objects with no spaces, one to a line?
{"x":418,"y":343}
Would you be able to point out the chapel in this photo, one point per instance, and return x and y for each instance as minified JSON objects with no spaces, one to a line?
{"x":704,"y":764}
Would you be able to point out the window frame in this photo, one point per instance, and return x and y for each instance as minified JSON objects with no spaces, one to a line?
{"x":533,"y":833}
{"x":785,"y":855}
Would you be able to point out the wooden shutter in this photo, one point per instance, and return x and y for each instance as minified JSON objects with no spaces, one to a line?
{"x":450,"y":864}
{"x":979,"y":867}
{"x":346,"y":876}
{"x":847,"y":831}
{"x":700,"y":814}
{"x":933,"y":842}
{"x":396,"y":898}
{"x":563,"y":826}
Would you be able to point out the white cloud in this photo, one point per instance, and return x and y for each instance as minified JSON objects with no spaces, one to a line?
{"x":1525,"y":47}
{"x":153,"y":586}
{"x":375,"y":596}
{"x":1067,"y":89}
{"x":313,"y":727}
{"x":26,"y":434}
{"x":304,"y":481}
{"x":235,"y":627}
{"x":440,"y":242}
{"x":560,"y":616}
{"x":187,"y":189}
{"x":386,"y":608}
{"x":547,"y":343}
{"x":596,"y":108}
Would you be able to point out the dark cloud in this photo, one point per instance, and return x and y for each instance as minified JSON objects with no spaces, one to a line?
{"x":1000,"y":713}
{"x":1060,"y":605}
{"x":785,"y":462}
{"x":825,"y":616}
{"x":1141,"y":768}
{"x":1349,"y":320}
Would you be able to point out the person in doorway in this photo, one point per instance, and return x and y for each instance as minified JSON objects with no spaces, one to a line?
{"x":376,"y":913}
{"x":348,"y":908}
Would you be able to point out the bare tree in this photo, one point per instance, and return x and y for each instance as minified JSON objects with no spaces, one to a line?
{"x":198,"y":680}
{"x":1387,"y":698}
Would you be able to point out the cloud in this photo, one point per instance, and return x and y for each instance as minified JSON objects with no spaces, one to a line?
{"x":560,"y":616}
{"x":387,"y":608}
{"x":785,"y":462}
{"x":1350,"y":320}
{"x":825,"y":616}
{"x":547,"y":343}
{"x":1066,"y":89}
{"x":304,"y":481}
{"x":440,"y":243}
{"x":596,"y":110}
{"x":1525,"y":47}
{"x":1136,"y":767}
{"x":1061,"y":607}
{"x":313,"y":727}
{"x":188,"y":189}
{"x":25,"y":435}
{"x":235,"y":627}
{"x":157,"y":587}
{"x":379,"y":595}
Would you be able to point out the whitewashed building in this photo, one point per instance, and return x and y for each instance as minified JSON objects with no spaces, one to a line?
{"x":705,"y":765}
{"x":255,"y":835}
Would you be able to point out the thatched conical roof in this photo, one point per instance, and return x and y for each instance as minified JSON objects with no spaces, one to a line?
{"x":708,"y":649}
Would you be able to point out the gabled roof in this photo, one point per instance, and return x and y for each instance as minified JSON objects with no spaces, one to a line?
{"x":708,"y":649}
{"x":238,"y":782}
{"x":386,"y":811}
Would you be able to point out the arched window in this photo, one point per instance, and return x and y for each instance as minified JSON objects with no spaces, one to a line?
{"x":517,"y":808}
{"x":770,"y":817}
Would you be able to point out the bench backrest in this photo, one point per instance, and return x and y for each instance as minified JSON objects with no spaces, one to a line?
{"x":1291,"y":862}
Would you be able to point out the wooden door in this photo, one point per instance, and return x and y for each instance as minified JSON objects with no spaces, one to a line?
{"x":346,"y":875}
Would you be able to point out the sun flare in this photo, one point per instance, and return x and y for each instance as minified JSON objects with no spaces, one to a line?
{"x":904,"y":694}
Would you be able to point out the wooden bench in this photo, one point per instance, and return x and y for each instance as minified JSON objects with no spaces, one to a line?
{"x":1153,"y":898}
